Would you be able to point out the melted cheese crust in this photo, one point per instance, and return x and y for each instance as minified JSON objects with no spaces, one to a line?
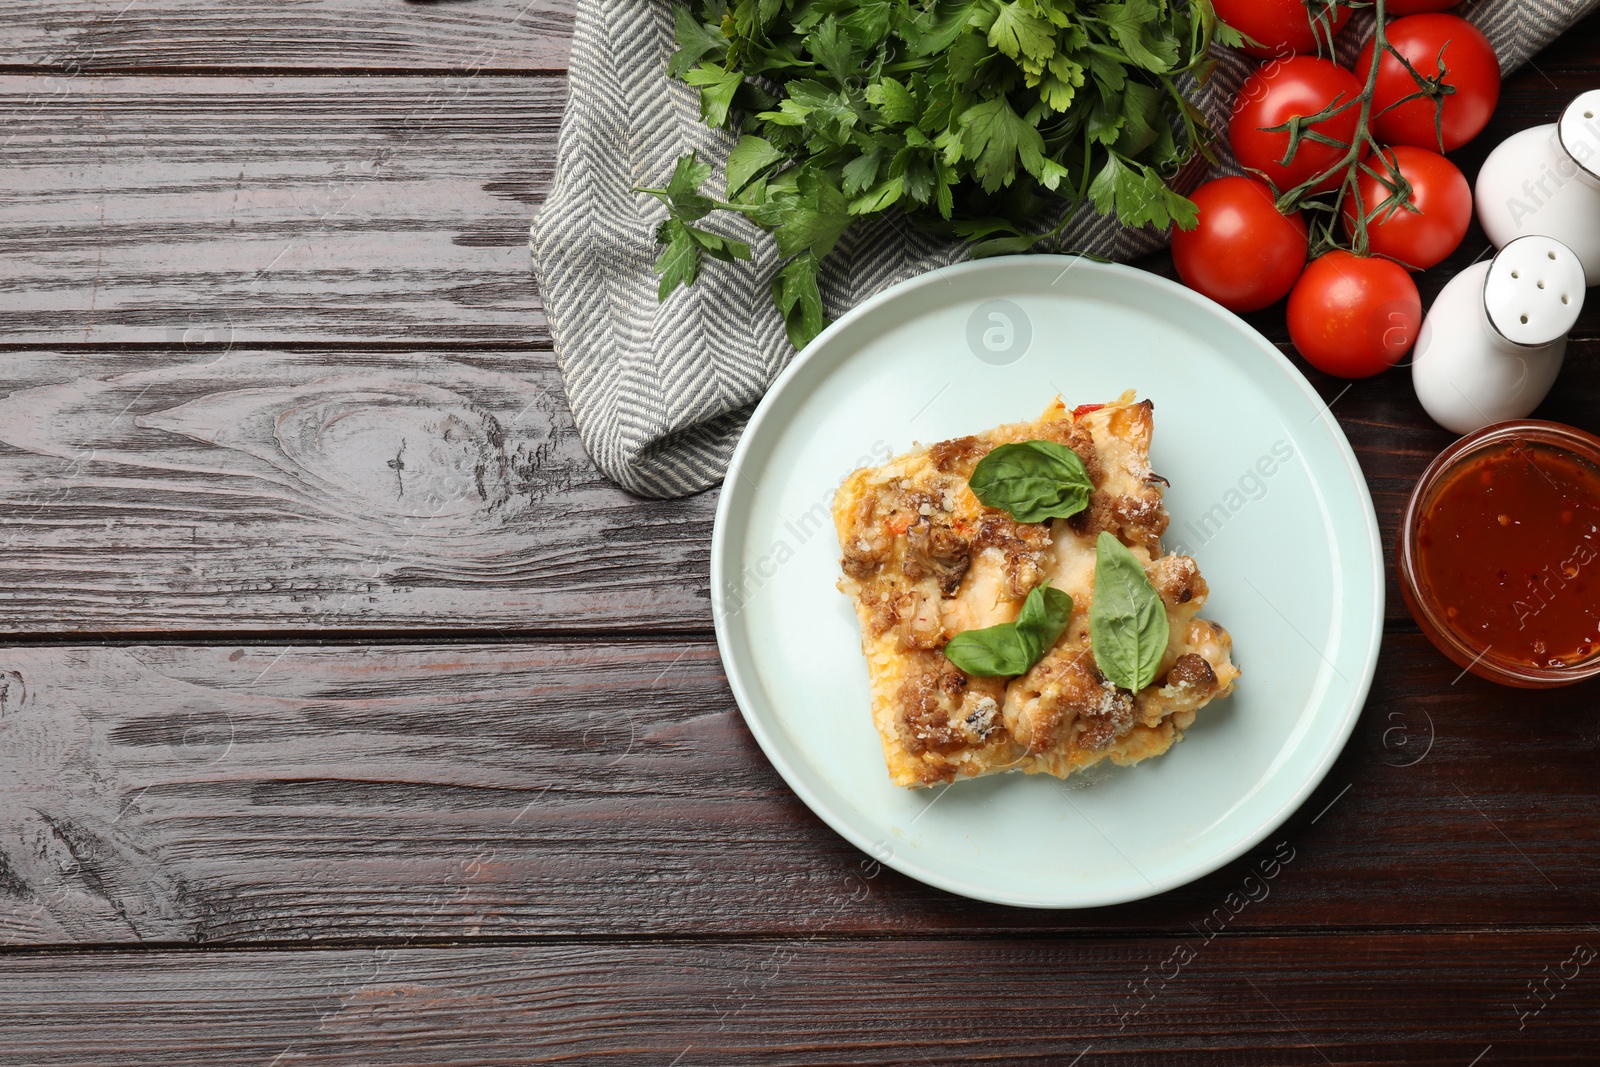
{"x":924,"y":560}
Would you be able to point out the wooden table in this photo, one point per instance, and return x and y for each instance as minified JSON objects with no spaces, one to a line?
{"x":319,"y":622}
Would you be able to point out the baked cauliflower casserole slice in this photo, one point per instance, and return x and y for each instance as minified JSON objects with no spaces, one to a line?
{"x":924,"y":560}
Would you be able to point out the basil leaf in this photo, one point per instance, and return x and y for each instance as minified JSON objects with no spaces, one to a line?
{"x":1127,"y":622}
{"x":1033,"y":480}
{"x":1013,"y":647}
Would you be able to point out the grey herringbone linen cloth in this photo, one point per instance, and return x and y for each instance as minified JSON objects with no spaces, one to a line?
{"x":660,"y":392}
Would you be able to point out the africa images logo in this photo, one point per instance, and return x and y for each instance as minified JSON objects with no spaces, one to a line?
{"x":999,"y":332}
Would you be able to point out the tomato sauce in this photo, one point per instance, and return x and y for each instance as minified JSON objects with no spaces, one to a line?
{"x":1509,"y":551}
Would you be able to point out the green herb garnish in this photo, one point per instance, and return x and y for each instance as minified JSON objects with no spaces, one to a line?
{"x":1013,"y":647}
{"x":1127,"y":622}
{"x":1033,"y":480}
{"x":684,"y":244}
{"x":974,"y":117}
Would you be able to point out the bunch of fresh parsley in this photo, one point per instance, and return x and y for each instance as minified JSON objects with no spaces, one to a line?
{"x":977,"y":117}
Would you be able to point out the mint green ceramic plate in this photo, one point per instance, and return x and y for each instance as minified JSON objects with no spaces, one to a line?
{"x":1266,"y":495}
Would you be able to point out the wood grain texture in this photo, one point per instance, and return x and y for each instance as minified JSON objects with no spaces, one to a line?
{"x":598,"y":801}
{"x":245,"y":794}
{"x":282,"y":209}
{"x":1443,"y":999}
{"x":80,"y":37}
{"x":198,"y":489}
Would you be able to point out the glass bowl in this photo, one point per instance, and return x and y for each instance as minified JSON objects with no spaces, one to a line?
{"x":1425,"y":609}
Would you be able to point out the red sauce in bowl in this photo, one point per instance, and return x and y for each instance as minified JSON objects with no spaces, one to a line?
{"x":1500,"y":554}
{"x":1508,"y":551}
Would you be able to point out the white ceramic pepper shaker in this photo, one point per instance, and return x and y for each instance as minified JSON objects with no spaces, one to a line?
{"x":1494,"y":339}
{"x":1546,"y":180}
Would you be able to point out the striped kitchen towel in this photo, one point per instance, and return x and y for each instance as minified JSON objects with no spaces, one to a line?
{"x":661,"y":391}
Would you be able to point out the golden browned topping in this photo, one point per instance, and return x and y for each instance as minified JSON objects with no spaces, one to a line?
{"x":866,"y":548}
{"x":953,"y":682}
{"x":1191,"y":672}
{"x":1177,"y":580}
{"x":861,"y":560}
{"x":1141,"y":521}
{"x":958,"y":455}
{"x":916,"y":611}
{"x":1098,"y":516}
{"x":925,"y":725}
{"x":882,"y":611}
{"x":936,"y":549}
{"x":943,"y":711}
{"x":1134,"y":520}
{"x":1081,"y":442}
{"x":1024,"y":546}
{"x":1050,"y":698}
{"x":1108,"y":720}
{"x":1133,"y":422}
{"x":996,"y":529}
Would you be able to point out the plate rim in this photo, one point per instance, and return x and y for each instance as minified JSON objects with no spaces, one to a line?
{"x":732,"y":491}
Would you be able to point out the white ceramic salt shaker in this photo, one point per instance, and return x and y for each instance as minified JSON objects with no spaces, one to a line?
{"x":1546,"y":180}
{"x":1494,"y":339}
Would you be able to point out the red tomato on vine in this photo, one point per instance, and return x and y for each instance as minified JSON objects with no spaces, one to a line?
{"x":1282,"y":27}
{"x":1470,"y":69}
{"x":1440,"y":195}
{"x":1300,"y":86}
{"x":1241,"y":253}
{"x":1354,"y":316}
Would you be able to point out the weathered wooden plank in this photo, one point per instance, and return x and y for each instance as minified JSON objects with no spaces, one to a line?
{"x":202,"y":489}
{"x":239,"y":794}
{"x":371,"y":209}
{"x":1443,"y":999}
{"x":80,"y":37}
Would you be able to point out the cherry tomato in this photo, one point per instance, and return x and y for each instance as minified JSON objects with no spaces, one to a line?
{"x":1283,"y":27}
{"x":1280,"y":90}
{"x":1242,"y":253}
{"x":1354,"y":316}
{"x":1398,"y":8}
{"x":1442,"y":197}
{"x":1470,"y":66}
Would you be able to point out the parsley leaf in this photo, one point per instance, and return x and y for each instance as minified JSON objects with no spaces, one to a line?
{"x":1138,"y":196}
{"x":934,"y":29}
{"x":679,"y":262}
{"x":717,"y":87}
{"x":751,"y":157}
{"x":683,"y":244}
{"x":813,"y":218}
{"x":1021,"y":35}
{"x":861,"y":171}
{"x":695,"y":41}
{"x":799,"y":300}
{"x":979,"y":115}
{"x":832,"y":48}
{"x":1129,"y":22}
{"x":993,"y":136}
{"x":893,"y":100}
{"x":682,"y":194}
